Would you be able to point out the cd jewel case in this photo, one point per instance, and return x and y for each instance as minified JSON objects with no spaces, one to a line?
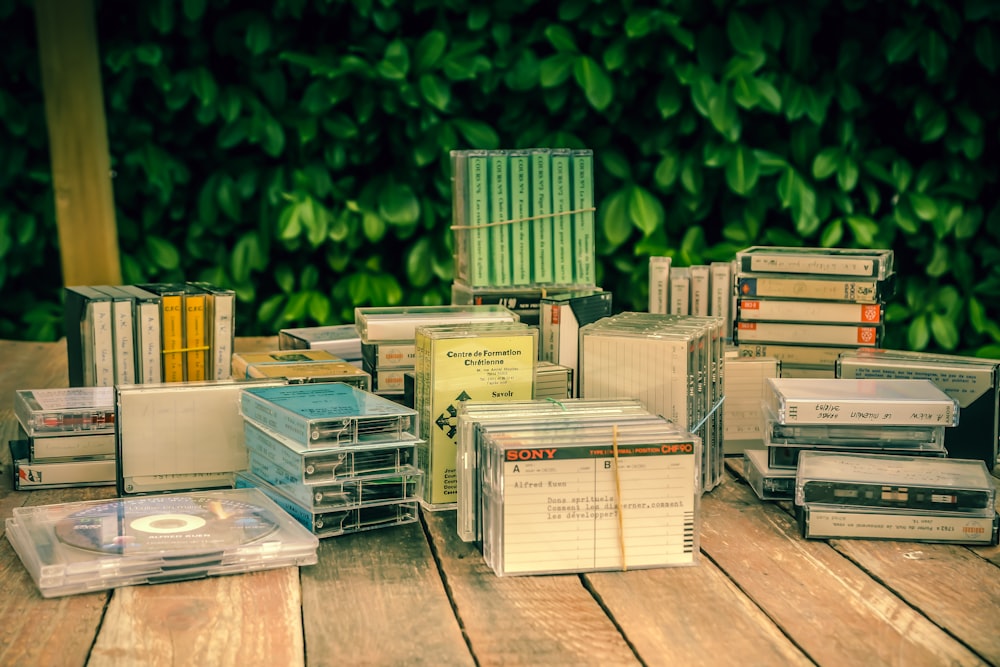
{"x":78,"y":547}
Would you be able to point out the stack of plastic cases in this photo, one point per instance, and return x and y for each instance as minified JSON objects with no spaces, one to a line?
{"x":80,"y":547}
{"x":804,"y":306}
{"x":387,"y":337}
{"x":590,"y":498}
{"x":475,"y":416}
{"x":973,"y":382}
{"x":339,"y":459}
{"x":767,"y":482}
{"x":523,"y":219}
{"x":674,"y":364}
{"x":869,"y":416}
{"x":872,"y":496}
{"x":66,"y":438}
{"x":465,"y":362}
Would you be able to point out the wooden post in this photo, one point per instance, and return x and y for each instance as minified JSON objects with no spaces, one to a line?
{"x":78,"y":141}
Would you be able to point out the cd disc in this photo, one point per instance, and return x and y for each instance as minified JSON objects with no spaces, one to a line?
{"x":165,"y":524}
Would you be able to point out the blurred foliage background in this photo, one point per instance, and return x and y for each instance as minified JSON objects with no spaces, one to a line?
{"x":297,"y":150}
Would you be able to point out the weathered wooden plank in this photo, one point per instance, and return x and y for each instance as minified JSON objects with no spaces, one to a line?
{"x":676,"y":616}
{"x":35,"y":630}
{"x":78,"y":142}
{"x":947,"y":583}
{"x":835,"y":612}
{"x":376,"y":598}
{"x":528,"y":620}
{"x":242,"y":619}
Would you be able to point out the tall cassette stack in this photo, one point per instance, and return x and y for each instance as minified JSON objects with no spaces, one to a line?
{"x":891,"y":497}
{"x":66,"y":438}
{"x":388,"y":334}
{"x":674,"y":364}
{"x":523,"y":222}
{"x":804,"y":306}
{"x":864,"y":416}
{"x":337,"y":458}
{"x":465,"y":362}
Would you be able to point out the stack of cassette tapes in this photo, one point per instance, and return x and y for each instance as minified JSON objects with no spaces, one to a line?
{"x":337,"y":458}
{"x":523,"y":222}
{"x":340,"y":340}
{"x":477,"y":417}
{"x":387,"y":337}
{"x":674,"y":364}
{"x":465,"y":362}
{"x":804,"y":306}
{"x":866,"y":416}
{"x":79,"y":547}
{"x":973,"y":382}
{"x":585,"y":496}
{"x":300,"y":366}
{"x":890,"y":497}
{"x":66,"y":438}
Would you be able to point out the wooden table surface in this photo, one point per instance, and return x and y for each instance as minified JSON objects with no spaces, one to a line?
{"x":418,"y":595}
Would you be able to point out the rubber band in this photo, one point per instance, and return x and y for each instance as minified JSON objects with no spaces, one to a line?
{"x":541,"y":216}
{"x":201,"y":348}
{"x":559,"y":403}
{"x":618,"y":497}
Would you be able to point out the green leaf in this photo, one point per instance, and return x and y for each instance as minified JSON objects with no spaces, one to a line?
{"x":525,"y":74}
{"x":925,"y":207}
{"x":692,"y":178}
{"x":435,"y":90}
{"x":717,"y":153}
{"x":832,"y":234}
{"x":645,"y":210}
{"x":847,"y":174}
{"x":398,"y":205}
{"x":395,"y":63}
{"x":594,"y":81}
{"x":273,"y":140}
{"x":429,"y":50}
{"x":744,"y":33}
{"x":977,"y":315}
{"x":745,"y":92}
{"x":319,"y":307}
{"x":944,"y":330}
{"x":228,"y":197}
{"x":258,"y":36}
{"x":984,"y":45}
{"x":374,"y":227}
{"x":724,"y":116}
{"x":968,"y":225}
{"x":933,"y":125}
{"x":668,"y":98}
{"x":770,"y":163}
{"x":419,"y":261}
{"x":149,"y":54}
{"x":918,"y":334}
{"x":477,"y":133}
{"x":933,"y":53}
{"x":902,"y":174}
{"x":900,"y":44}
{"x":561,"y":38}
{"x":795,"y":193}
{"x":616,"y":164}
{"x":554,"y":70}
{"x":939,"y":264}
{"x":827,"y":162}
{"x":204,"y":86}
{"x":864,"y":230}
{"x":613,"y":217}
{"x":163,"y":253}
{"x":193,"y":9}
{"x":667,"y":169}
{"x":742,"y":171}
{"x":770,"y":98}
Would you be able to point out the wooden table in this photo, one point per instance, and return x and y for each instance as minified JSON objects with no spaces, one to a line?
{"x":416,"y":594}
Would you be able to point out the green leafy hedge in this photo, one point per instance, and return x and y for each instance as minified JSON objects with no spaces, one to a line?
{"x":297,"y":150}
